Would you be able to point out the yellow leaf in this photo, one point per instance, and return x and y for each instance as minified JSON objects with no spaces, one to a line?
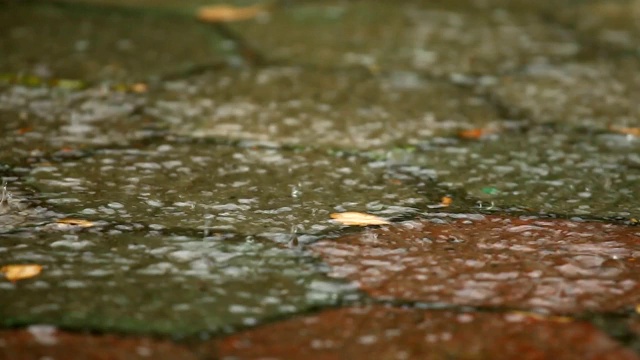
{"x":446,"y":201}
{"x":14,"y":273}
{"x":359,"y":219}
{"x":76,"y":222}
{"x":139,"y":88}
{"x":228,"y":13}
{"x":634,"y":131}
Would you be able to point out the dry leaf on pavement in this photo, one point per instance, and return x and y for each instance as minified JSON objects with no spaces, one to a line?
{"x":228,"y":13}
{"x":357,"y":218}
{"x":474,"y":134}
{"x":76,"y":222}
{"x":633,"y":131}
{"x":14,"y":273}
{"x":446,"y":201}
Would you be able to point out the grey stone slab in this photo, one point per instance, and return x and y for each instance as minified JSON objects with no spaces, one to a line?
{"x":290,"y":105}
{"x":439,"y":38}
{"x":591,"y":94}
{"x":100,"y":45}
{"x":254,"y":191}
{"x":171,"y":285}
{"x":608,"y":25}
{"x":548,"y":171}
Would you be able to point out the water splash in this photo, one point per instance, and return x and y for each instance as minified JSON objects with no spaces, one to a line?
{"x":208,"y":219}
{"x":296,"y":190}
{"x":3,"y":196}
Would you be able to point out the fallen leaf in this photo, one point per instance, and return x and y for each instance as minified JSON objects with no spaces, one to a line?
{"x":139,"y":88}
{"x":24,"y":130}
{"x":358,"y":219}
{"x":475,"y":133}
{"x":419,"y":334}
{"x":540,"y":317}
{"x":634,"y":131}
{"x":228,"y":13}
{"x":76,"y":222}
{"x":14,"y":273}
{"x":446,"y":201}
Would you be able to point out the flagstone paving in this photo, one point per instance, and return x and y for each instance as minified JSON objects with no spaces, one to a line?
{"x":396,"y":333}
{"x":178,"y":193}
{"x":546,"y":265}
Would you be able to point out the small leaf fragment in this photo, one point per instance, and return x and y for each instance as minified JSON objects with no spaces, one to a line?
{"x":540,"y":317}
{"x":446,"y":201}
{"x":14,"y":273}
{"x":358,"y":219}
{"x":633,"y":131}
{"x":76,"y":222}
{"x":24,"y":130}
{"x":229,"y":13}
{"x":472,"y":133}
{"x":139,"y":88}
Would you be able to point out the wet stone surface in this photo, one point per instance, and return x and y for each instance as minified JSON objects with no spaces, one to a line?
{"x":175,"y":285}
{"x":72,"y":42}
{"x":581,"y":173}
{"x":564,"y":93}
{"x":609,"y":25}
{"x":350,"y":109}
{"x":51,"y":122}
{"x":45,"y":341}
{"x":439,"y":38}
{"x":549,"y":265}
{"x":209,"y":183}
{"x":249,"y":190}
{"x":392,"y":333}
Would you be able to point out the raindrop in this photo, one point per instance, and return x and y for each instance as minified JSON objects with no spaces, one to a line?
{"x":3,"y":195}
{"x":293,"y":237}
{"x":207,"y":224}
{"x":367,"y":339}
{"x":455,"y":240}
{"x":296,"y":190}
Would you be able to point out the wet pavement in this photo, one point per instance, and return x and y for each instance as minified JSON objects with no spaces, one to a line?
{"x":176,"y":180}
